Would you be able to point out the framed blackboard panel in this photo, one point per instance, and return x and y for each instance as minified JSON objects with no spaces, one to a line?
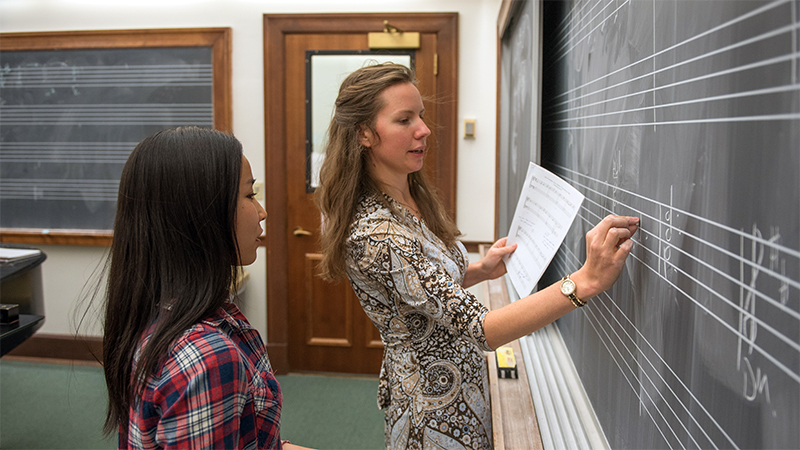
{"x":519,"y":133}
{"x":73,"y":111}
{"x":687,"y":114}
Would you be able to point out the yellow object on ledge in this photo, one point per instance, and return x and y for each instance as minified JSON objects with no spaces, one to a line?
{"x":506,"y":362}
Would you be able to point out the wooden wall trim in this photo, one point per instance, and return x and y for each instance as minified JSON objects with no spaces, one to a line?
{"x":474,"y":246}
{"x":497,"y":133}
{"x":276,"y":229}
{"x":59,"y":348}
{"x":159,"y":37}
{"x":94,"y":238}
{"x":447,"y":110}
{"x":508,"y":10}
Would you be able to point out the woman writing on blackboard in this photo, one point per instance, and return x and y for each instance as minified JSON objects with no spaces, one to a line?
{"x":183,"y":366}
{"x":385,"y":229}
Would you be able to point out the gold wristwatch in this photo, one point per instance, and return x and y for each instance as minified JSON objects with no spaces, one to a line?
{"x":568,"y":288}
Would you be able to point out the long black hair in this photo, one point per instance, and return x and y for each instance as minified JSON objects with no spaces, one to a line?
{"x":173,"y":254}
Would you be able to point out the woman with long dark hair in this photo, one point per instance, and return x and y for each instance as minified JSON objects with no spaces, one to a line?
{"x":183,"y":366}
{"x":386,"y":230}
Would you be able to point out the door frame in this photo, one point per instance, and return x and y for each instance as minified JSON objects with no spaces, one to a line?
{"x":276,"y":27}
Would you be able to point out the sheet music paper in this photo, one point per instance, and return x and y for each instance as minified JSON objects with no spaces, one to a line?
{"x":545,"y":211}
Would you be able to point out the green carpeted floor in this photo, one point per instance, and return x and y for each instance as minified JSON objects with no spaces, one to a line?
{"x":51,"y":406}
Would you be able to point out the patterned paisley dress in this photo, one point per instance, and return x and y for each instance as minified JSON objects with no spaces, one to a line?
{"x":433,"y":382}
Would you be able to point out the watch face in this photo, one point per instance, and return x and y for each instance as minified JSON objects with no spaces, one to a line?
{"x":567,"y":287}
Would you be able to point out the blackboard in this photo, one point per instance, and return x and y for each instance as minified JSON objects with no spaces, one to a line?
{"x":687,"y":114}
{"x":71,"y":117}
{"x":519,"y":119}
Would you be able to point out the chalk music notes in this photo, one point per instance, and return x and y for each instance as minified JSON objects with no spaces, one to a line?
{"x":545,"y":210}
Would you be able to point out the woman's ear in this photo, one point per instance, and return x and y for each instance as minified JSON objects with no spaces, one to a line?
{"x":364,"y":136}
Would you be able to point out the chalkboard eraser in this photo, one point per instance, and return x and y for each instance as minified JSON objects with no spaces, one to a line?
{"x":506,"y":363}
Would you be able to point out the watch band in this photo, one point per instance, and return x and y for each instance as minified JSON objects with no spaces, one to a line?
{"x":576,"y":301}
{"x":572,"y":297}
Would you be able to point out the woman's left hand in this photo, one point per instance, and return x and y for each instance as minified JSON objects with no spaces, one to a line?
{"x":491,"y":266}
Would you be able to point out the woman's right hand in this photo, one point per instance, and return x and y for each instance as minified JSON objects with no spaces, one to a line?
{"x":608,"y":244}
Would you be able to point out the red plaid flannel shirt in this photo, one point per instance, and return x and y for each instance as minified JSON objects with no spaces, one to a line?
{"x":216,"y":390}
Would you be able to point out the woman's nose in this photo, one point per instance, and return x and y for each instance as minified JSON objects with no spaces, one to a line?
{"x":262,"y":213}
{"x":423,"y":130}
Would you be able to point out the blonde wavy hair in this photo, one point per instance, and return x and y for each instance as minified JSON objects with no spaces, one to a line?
{"x":344,"y":178}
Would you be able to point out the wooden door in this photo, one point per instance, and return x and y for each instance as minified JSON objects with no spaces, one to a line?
{"x":314,"y":325}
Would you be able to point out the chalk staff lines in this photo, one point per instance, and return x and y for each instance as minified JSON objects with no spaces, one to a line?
{"x":647,"y":58}
{"x":606,"y":317}
{"x":65,"y":76}
{"x":772,"y":245}
{"x":775,"y":303}
{"x":562,"y":49}
{"x":732,"y":96}
{"x":59,"y":190}
{"x":97,"y":153}
{"x":50,"y":78}
{"x":652,"y":219}
{"x":577,"y":11}
{"x":66,"y":152}
{"x":595,"y":323}
{"x":787,"y":251}
{"x":789,"y":30}
{"x":790,"y":57}
{"x":570,"y":266}
{"x":166,"y":114}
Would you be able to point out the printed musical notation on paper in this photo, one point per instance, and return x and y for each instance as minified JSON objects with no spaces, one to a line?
{"x":546,"y":208}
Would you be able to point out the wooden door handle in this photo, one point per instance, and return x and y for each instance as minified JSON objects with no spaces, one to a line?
{"x":299,"y":231}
